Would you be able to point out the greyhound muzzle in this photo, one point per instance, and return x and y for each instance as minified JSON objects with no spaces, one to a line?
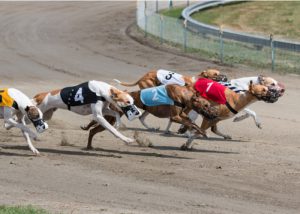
{"x":131,"y":112}
{"x":220,"y":78}
{"x":40,"y":125}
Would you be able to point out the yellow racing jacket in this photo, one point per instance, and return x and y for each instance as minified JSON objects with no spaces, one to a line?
{"x":5,"y":99}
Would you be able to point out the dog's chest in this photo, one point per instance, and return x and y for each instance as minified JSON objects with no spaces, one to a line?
{"x":168,"y":77}
{"x":79,"y":95}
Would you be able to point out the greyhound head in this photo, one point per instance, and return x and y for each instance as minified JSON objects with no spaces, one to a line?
{"x":35,"y":115}
{"x":122,"y":98}
{"x":213,"y":74}
{"x":262,"y":92}
{"x":125,"y":102}
{"x":274,"y":86}
{"x":203,"y":107}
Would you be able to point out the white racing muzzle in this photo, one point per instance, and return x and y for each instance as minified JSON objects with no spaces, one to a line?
{"x":131,"y":111}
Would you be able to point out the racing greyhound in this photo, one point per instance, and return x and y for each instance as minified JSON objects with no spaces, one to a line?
{"x":92,"y":97}
{"x":228,"y":103}
{"x":15,"y":103}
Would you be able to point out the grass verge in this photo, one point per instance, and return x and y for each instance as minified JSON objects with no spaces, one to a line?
{"x":21,"y":210}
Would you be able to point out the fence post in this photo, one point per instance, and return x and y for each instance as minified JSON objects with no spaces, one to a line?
{"x":221,"y":44}
{"x":272,"y":52}
{"x":161,"y":29}
{"x":170,"y":4}
{"x":146,"y":19}
{"x":184,"y":34}
{"x":187,"y":3}
{"x":156,"y":5}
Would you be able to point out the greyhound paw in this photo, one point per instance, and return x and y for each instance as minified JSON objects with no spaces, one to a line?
{"x":7,"y":126}
{"x":84,"y":127}
{"x":227,"y":137}
{"x":90,"y":148}
{"x":128,"y":140}
{"x":154,"y":129}
{"x":35,"y":151}
{"x":259,"y":125}
{"x":236,"y":119}
{"x":182,"y":130}
{"x":184,"y":147}
{"x":167,"y":132}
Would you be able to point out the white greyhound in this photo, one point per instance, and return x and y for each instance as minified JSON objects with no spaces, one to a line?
{"x":239,"y":86}
{"x":92,"y":97}
{"x":14,"y":103}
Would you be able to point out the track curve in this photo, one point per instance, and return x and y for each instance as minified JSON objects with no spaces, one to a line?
{"x":45,"y":45}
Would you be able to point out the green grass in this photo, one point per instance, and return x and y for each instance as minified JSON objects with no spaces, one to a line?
{"x":21,"y":210}
{"x":276,"y":17}
{"x":174,"y":12}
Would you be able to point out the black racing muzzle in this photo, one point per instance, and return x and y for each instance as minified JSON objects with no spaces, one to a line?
{"x":131,"y":112}
{"x":220,"y":78}
{"x":40,"y":125}
{"x":272,"y":95}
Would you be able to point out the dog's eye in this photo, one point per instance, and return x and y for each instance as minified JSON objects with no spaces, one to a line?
{"x":273,"y":84}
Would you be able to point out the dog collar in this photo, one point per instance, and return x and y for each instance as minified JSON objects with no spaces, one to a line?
{"x":230,"y":108}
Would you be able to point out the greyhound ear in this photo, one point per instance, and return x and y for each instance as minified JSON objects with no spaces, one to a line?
{"x":250,"y":85}
{"x":113,"y":92}
{"x":261,"y":78}
{"x":27,"y":108}
{"x":203,"y":74}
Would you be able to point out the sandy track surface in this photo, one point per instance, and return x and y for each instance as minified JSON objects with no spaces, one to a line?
{"x":50,"y":45}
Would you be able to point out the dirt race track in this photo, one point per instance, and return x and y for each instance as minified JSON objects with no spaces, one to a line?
{"x":46,"y":45}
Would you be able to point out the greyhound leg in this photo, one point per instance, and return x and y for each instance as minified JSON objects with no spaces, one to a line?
{"x":215,"y":130}
{"x":167,"y":131}
{"x":204,"y":126}
{"x":96,"y":129}
{"x":142,"y":120}
{"x":27,"y":138}
{"x":88,"y":126}
{"x":249,"y":113}
{"x":8,"y":119}
{"x":115,"y":114}
{"x":97,"y":112}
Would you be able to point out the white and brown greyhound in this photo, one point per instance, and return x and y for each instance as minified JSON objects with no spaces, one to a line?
{"x":92,"y":97}
{"x":16,"y":109}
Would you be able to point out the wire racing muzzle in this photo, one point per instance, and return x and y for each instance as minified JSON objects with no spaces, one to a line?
{"x":131,"y":112}
{"x":220,"y":78}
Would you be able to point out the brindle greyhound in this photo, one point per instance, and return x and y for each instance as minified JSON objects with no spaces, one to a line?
{"x":185,"y":100}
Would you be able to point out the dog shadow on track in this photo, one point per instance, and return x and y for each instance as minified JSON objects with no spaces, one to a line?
{"x":174,"y":134}
{"x":83,"y":152}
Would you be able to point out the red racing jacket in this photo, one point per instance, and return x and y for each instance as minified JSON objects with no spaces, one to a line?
{"x":211,"y":90}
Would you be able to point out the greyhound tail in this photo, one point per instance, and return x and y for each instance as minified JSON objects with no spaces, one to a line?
{"x":126,"y":84}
